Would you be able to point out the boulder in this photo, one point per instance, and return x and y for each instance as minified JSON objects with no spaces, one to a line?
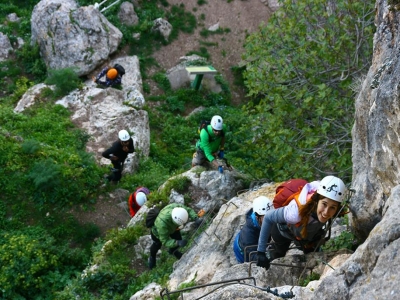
{"x":72,"y":36}
{"x":5,"y":47}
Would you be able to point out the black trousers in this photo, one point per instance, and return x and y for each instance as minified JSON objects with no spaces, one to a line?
{"x":157,"y":245}
{"x":281,"y":244}
{"x":116,"y":173}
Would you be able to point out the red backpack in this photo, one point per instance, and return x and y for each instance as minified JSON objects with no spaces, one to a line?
{"x":287,"y":190}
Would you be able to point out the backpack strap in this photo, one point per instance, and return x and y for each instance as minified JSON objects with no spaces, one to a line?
{"x":206,"y":129}
{"x":295,"y":196}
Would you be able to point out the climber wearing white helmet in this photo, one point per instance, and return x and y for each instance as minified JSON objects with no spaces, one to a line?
{"x":211,"y":143}
{"x":247,"y":238}
{"x":137,"y":199}
{"x":117,"y":153}
{"x":166,"y":230}
{"x":319,"y":202}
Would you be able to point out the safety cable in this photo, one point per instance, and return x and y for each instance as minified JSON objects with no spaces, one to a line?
{"x":225,"y":283}
{"x":284,"y":295}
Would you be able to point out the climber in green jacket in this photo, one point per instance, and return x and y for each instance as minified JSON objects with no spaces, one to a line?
{"x":166,"y":230}
{"x":211,"y":143}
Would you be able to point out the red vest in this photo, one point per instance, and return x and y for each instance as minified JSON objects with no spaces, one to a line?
{"x":133,"y":206}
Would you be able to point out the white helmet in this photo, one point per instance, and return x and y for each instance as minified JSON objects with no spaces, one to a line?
{"x":179,"y":216}
{"x":140,"y":198}
{"x":332,"y":187}
{"x":261,"y":205}
{"x":216,"y":123}
{"x":124,"y":135}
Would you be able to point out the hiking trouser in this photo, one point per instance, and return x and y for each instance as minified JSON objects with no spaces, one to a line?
{"x":116,"y":172}
{"x":199,"y":158}
{"x":157,"y":245}
{"x":280,"y":244}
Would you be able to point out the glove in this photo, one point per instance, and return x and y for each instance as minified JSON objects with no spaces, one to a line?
{"x":221,"y":154}
{"x":201,"y":213}
{"x":198,"y":222}
{"x":181,"y":243}
{"x":262,"y":260}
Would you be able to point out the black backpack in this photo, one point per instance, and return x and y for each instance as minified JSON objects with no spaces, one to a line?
{"x":152,"y":216}
{"x":120,"y":69}
{"x":203,"y":124}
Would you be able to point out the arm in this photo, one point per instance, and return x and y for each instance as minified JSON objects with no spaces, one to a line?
{"x":130,"y":201}
{"x":206,"y":145}
{"x":131,"y":148}
{"x":164,"y":236}
{"x":110,"y":150}
{"x":192,"y":214}
{"x":117,"y":80}
{"x":102,"y":73}
{"x":271,"y":217}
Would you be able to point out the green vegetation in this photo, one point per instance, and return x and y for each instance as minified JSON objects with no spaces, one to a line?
{"x":346,"y":240}
{"x":300,"y":69}
{"x":299,"y":72}
{"x":206,"y":33}
{"x":309,"y":278}
{"x":65,"y":81}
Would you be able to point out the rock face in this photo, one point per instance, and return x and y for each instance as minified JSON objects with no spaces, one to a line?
{"x":127,"y":14}
{"x":103,"y":112}
{"x":371,"y":272}
{"x":72,"y":36}
{"x":376,"y":130}
{"x":163,"y":27}
{"x":5,"y":47}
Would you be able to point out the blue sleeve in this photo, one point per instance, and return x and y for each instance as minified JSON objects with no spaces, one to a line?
{"x":118,"y":80}
{"x":102,"y":73}
{"x":270,"y":218}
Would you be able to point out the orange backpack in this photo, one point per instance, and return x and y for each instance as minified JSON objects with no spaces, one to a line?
{"x":287,"y":191}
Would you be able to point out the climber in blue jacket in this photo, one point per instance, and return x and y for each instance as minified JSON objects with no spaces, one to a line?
{"x":247,"y":238}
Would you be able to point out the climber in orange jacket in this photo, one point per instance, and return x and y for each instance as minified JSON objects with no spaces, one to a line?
{"x":137,"y":199}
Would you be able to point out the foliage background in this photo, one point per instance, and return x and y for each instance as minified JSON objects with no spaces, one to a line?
{"x":302,"y":68}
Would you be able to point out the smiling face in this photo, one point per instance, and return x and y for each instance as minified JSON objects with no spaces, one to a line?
{"x":326,"y":209}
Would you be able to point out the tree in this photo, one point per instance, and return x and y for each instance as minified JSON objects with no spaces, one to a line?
{"x":301,"y":67}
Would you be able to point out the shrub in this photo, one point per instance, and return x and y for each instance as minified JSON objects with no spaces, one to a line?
{"x":31,"y":61}
{"x":33,"y":265}
{"x":346,"y":240}
{"x":66,"y":80}
{"x":297,"y":71}
{"x":309,"y":278}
